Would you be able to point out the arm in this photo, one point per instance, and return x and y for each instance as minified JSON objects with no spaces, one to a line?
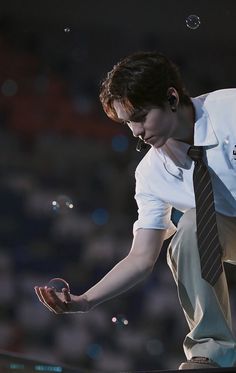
{"x":132,"y":269}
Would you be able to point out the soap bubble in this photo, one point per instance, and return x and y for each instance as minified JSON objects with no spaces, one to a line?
{"x":193,"y":22}
{"x":58,"y":284}
{"x":62,"y":203}
{"x":120,"y":320}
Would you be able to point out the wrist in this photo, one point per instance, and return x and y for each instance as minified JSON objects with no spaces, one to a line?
{"x":88,"y":303}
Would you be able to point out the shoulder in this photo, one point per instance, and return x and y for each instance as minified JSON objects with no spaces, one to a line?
{"x":216,"y":104}
{"x":221,"y":95}
{"x":221,"y":104}
{"x":147,"y":162}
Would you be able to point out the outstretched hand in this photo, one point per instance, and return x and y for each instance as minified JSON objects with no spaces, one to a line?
{"x":61,"y":302}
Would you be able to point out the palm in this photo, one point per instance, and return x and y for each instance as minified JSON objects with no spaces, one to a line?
{"x":60,"y":302}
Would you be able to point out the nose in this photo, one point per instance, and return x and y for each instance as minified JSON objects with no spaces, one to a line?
{"x":137,"y":129}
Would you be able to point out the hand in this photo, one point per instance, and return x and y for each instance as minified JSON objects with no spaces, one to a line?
{"x":62,"y":302}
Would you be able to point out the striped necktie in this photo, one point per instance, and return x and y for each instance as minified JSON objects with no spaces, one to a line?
{"x":210,"y":250}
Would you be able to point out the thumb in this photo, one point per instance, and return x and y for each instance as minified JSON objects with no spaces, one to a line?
{"x":66,"y":294}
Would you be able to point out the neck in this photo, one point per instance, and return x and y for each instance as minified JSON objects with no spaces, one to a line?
{"x":186,"y":120}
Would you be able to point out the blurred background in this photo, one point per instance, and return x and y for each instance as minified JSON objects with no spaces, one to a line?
{"x":67,"y":172}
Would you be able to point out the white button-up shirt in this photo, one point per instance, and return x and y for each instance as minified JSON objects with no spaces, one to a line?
{"x":164,"y":177}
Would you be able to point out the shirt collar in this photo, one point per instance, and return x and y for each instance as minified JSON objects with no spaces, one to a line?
{"x":204,"y":134}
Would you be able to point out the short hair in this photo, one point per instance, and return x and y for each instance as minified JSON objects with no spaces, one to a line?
{"x":140,"y":81}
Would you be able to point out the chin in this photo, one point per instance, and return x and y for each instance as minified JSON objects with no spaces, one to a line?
{"x":158,"y":144}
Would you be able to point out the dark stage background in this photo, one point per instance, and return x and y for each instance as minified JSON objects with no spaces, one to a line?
{"x":57,"y":145}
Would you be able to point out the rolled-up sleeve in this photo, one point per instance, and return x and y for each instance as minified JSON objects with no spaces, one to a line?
{"x":153,"y":213}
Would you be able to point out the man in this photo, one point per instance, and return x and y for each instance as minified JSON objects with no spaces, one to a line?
{"x":146,"y":92}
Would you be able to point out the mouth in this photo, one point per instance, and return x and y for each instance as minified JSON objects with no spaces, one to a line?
{"x":147,"y":141}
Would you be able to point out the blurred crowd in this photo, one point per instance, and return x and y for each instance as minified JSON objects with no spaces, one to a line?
{"x":67,"y":210}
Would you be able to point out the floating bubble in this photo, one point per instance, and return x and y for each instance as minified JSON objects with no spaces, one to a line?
{"x":119,"y":143}
{"x":120,"y":320}
{"x":58,"y":284}
{"x":67,"y":29}
{"x":62,"y":203}
{"x":193,"y":22}
{"x":100,"y":216}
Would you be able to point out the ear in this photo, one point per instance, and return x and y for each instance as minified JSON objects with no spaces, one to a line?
{"x":172,"y":98}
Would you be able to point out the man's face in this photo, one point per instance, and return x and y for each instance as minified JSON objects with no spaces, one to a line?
{"x":154,"y":126}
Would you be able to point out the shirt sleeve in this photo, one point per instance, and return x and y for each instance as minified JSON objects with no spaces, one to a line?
{"x":153,"y":213}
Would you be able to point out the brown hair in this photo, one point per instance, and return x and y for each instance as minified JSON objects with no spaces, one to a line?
{"x":140,"y":81}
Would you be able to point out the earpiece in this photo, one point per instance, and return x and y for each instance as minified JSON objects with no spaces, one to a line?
{"x":172,"y":101}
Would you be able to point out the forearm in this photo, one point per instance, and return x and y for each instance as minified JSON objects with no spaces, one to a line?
{"x":128,"y":272}
{"x":122,"y":277}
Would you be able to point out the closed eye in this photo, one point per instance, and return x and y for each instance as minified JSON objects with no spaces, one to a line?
{"x":138,"y":117}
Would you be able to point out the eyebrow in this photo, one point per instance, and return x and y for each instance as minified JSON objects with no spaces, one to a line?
{"x":137,"y":114}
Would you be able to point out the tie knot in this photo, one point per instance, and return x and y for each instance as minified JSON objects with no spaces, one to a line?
{"x":196,"y":153}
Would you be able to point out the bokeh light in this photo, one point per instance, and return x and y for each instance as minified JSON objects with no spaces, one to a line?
{"x":120,"y":143}
{"x":100,"y":216}
{"x":94,"y":351}
{"x":9,"y":88}
{"x":62,"y":204}
{"x":120,"y":320}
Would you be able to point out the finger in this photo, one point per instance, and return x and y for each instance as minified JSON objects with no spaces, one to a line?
{"x":36,"y":289}
{"x":50,"y":308}
{"x":54,"y":301}
{"x":44,"y":297}
{"x":38,"y":293}
{"x":66,"y":294}
{"x":48,"y":300}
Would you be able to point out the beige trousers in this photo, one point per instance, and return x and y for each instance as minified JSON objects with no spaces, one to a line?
{"x":206,"y":308}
